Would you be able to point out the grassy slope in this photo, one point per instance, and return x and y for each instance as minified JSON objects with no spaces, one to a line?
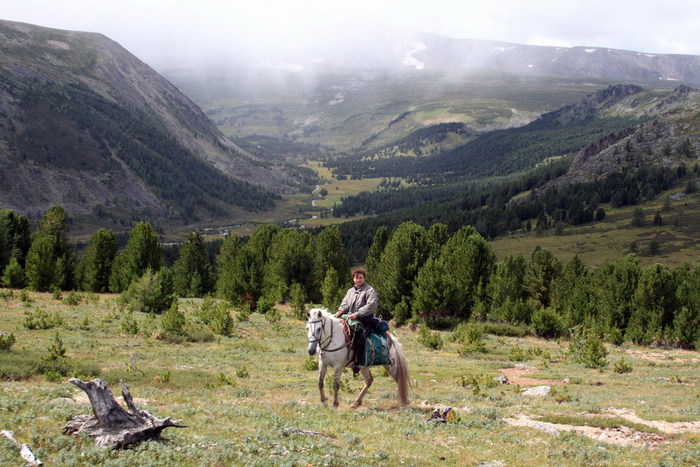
{"x":597,"y":242}
{"x":237,"y":420}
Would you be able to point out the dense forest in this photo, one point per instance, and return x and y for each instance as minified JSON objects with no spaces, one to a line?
{"x":424,"y":275}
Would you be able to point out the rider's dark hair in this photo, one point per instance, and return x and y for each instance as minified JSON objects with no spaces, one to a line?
{"x":356,"y":271}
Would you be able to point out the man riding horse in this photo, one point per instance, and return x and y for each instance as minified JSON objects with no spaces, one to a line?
{"x":359,"y":303}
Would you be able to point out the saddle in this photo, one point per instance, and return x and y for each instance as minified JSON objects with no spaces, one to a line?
{"x":377,"y":342}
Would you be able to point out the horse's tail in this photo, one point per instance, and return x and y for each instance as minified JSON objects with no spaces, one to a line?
{"x":400,"y":371}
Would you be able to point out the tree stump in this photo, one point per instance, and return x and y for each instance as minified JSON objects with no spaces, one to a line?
{"x":111,"y":425}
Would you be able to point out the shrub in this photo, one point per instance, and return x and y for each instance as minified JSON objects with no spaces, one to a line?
{"x":13,"y":276}
{"x":150,"y":294}
{"x":173,"y":321}
{"x":589,"y":350}
{"x":621,"y":366}
{"x":56,"y":348}
{"x":311,"y":363}
{"x":72,"y":299}
{"x":516,"y":354}
{"x":40,"y":319}
{"x":616,"y":337}
{"x":430,"y":339}
{"x":129,"y":325}
{"x":6,"y":340}
{"x":546,"y":322}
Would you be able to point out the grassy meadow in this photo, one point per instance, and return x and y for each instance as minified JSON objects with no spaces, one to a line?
{"x":252,"y":399}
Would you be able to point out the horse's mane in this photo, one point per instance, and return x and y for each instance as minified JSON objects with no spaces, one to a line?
{"x":325,"y":312}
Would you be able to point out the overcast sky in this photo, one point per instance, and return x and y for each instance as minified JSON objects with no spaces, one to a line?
{"x":159,"y":30}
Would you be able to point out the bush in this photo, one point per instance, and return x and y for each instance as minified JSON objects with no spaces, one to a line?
{"x":621,"y":366}
{"x":516,"y":354}
{"x":589,"y":350}
{"x":13,"y":276}
{"x":547,"y":323}
{"x":430,"y":339}
{"x":40,"y":319}
{"x":72,"y":299}
{"x":129,"y":325}
{"x":6,"y":340}
{"x":173,"y":321}
{"x":616,"y":337}
{"x":311,"y":363}
{"x":149,"y":294}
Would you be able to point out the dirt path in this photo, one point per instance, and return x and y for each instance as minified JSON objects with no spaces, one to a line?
{"x":518,"y":375}
{"x":621,"y":436}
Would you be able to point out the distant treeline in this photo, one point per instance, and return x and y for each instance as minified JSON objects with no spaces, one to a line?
{"x":422,"y":274}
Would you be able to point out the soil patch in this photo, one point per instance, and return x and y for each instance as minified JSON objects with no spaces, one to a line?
{"x":518,"y":375}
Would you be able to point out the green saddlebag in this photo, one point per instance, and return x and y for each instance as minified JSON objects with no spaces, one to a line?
{"x":376,"y":351}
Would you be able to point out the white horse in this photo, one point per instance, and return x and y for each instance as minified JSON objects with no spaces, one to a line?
{"x":325,"y":335}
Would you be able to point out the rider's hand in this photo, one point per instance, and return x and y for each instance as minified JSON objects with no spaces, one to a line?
{"x":338,"y":313}
{"x":353,"y":316}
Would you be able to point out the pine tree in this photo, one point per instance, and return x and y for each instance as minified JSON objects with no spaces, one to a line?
{"x":15,"y":238}
{"x":192,"y":272}
{"x":507,"y":281}
{"x":50,"y":259}
{"x":374,"y":255}
{"x":471,"y":261}
{"x":290,"y":260}
{"x":436,"y":295}
{"x":95,"y":267}
{"x":541,"y":270}
{"x":328,"y":254}
{"x":405,"y":253}
{"x":331,"y":293}
{"x":13,"y":276}
{"x":141,"y":253}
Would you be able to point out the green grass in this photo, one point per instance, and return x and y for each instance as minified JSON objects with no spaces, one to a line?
{"x":251,"y":399}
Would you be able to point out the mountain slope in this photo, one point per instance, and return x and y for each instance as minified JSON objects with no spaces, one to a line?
{"x":85,"y":124}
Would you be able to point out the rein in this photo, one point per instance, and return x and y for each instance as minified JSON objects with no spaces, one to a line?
{"x":328,"y":340}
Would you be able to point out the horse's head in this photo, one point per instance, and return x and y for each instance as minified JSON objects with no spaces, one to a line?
{"x":314,"y":328}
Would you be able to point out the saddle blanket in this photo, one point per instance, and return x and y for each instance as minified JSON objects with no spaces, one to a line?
{"x":376,"y":350}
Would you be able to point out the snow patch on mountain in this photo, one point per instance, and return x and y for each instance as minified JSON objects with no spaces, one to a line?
{"x":410,"y":60}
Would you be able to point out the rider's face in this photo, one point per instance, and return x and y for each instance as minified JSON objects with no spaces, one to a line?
{"x":358,"y":279}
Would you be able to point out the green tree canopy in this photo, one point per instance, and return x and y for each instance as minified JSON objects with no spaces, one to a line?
{"x":192,"y":276}
{"x":95,"y":267}
{"x":142,"y":252}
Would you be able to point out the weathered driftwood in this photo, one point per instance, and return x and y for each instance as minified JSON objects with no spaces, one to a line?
{"x":24,"y":450}
{"x":111,"y":425}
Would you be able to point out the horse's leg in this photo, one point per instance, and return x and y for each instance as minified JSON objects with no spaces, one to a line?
{"x":367,"y":376}
{"x":336,"y":385}
{"x":321,"y":377}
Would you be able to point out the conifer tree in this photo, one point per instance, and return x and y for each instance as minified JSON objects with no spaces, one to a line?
{"x":405,"y":253}
{"x":471,"y":261}
{"x":50,"y":259}
{"x":290,"y":260}
{"x":374,"y":255}
{"x":328,"y":254}
{"x":615,"y":283}
{"x":192,"y":272}
{"x":541,"y":270}
{"x":435,"y":295}
{"x":95,"y":268}
{"x":142,"y":252}
{"x":15,"y":237}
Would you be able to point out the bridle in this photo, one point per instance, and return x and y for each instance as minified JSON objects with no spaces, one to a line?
{"x":323,"y":346}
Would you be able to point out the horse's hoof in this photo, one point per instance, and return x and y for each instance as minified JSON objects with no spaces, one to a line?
{"x":354,"y":405}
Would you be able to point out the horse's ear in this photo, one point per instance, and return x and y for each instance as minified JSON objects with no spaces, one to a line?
{"x":308,"y":314}
{"x":319,"y":313}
